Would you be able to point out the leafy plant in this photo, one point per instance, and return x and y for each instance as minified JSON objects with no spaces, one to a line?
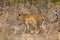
{"x":5,"y":37}
{"x":54,"y":1}
{"x":34,"y":1}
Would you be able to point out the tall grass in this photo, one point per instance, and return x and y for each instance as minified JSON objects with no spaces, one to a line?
{"x":24,"y":1}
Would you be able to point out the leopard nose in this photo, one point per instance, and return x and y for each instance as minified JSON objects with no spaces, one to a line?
{"x":42,"y":19}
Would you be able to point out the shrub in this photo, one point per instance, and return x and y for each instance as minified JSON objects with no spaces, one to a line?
{"x":54,"y":1}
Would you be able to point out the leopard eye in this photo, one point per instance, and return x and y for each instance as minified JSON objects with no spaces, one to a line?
{"x":19,"y":14}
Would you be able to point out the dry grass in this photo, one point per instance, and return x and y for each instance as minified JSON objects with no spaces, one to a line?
{"x":11,"y":29}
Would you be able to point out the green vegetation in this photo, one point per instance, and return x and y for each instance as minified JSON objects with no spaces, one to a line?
{"x":5,"y":37}
{"x":34,"y":1}
{"x":54,"y":1}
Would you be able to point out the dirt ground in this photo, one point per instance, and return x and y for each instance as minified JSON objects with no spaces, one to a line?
{"x":11,"y":29}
